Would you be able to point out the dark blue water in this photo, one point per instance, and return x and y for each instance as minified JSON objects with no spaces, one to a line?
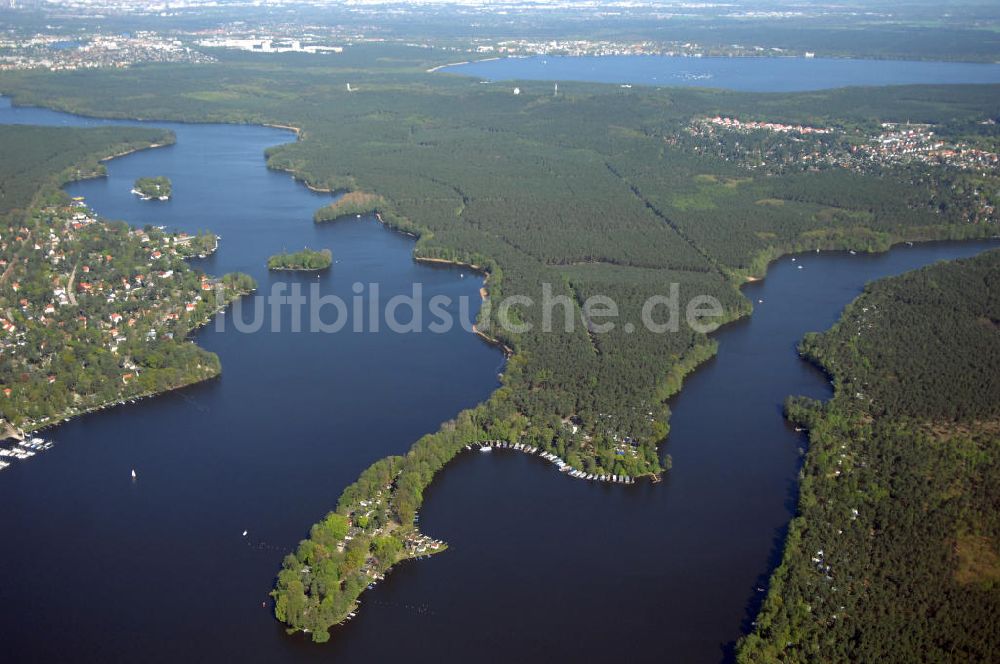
{"x":96,"y":568}
{"x":747,"y":74}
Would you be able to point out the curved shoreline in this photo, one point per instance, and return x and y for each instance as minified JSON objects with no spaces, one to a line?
{"x":65,"y":417}
{"x":296,"y":130}
{"x":464,"y":62}
{"x":121,"y":401}
{"x":444,"y":261}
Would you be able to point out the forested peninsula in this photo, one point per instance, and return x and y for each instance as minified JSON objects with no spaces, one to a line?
{"x":350,"y":203}
{"x":599,"y":190}
{"x":894,"y":555}
{"x":93,"y":312}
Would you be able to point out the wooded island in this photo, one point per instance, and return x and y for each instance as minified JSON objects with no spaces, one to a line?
{"x":158,"y":188}
{"x":307,"y":260}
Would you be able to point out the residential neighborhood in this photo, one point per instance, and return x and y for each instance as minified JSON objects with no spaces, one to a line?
{"x":90,"y":311}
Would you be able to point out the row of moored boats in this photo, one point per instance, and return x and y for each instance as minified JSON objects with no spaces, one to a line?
{"x":22,"y":451}
{"x":490,"y":445}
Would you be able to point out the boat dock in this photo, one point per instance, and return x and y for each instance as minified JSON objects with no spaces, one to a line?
{"x":490,"y":445}
{"x":23,"y":450}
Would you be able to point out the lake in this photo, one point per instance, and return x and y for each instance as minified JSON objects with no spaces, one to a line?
{"x":97,"y":568}
{"x":748,"y":74}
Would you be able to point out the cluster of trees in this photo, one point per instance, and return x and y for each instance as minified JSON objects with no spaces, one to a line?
{"x":307,"y":259}
{"x":349,"y":204}
{"x":895,"y":552}
{"x":319,"y":583}
{"x":202,"y":244}
{"x":158,"y":187}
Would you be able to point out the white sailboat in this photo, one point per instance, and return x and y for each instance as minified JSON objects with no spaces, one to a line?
{"x":133,"y":473}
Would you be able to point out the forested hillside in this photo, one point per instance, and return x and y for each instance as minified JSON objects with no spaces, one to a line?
{"x":895,"y":553}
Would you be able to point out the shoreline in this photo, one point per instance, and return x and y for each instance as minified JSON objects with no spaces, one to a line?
{"x":125,"y":153}
{"x":65,"y":417}
{"x":456,"y":64}
{"x":122,"y":400}
{"x":894,"y":242}
{"x":96,"y":408}
{"x":292,"y":128}
{"x":448,"y":261}
{"x":508,"y":352}
{"x":563,"y":467}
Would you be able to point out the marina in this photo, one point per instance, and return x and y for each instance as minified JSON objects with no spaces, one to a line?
{"x":23,"y":450}
{"x":490,"y":445}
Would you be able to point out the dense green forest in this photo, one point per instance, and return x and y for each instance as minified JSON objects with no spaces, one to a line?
{"x":40,"y":157}
{"x":351,"y":203}
{"x":895,"y":553}
{"x":589,"y":192}
{"x":92,"y":312}
{"x":307,"y":259}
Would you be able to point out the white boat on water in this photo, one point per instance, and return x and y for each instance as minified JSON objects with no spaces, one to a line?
{"x":133,"y":474}
{"x":485,"y":448}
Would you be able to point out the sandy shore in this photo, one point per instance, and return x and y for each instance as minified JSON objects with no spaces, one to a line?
{"x":281,"y":126}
